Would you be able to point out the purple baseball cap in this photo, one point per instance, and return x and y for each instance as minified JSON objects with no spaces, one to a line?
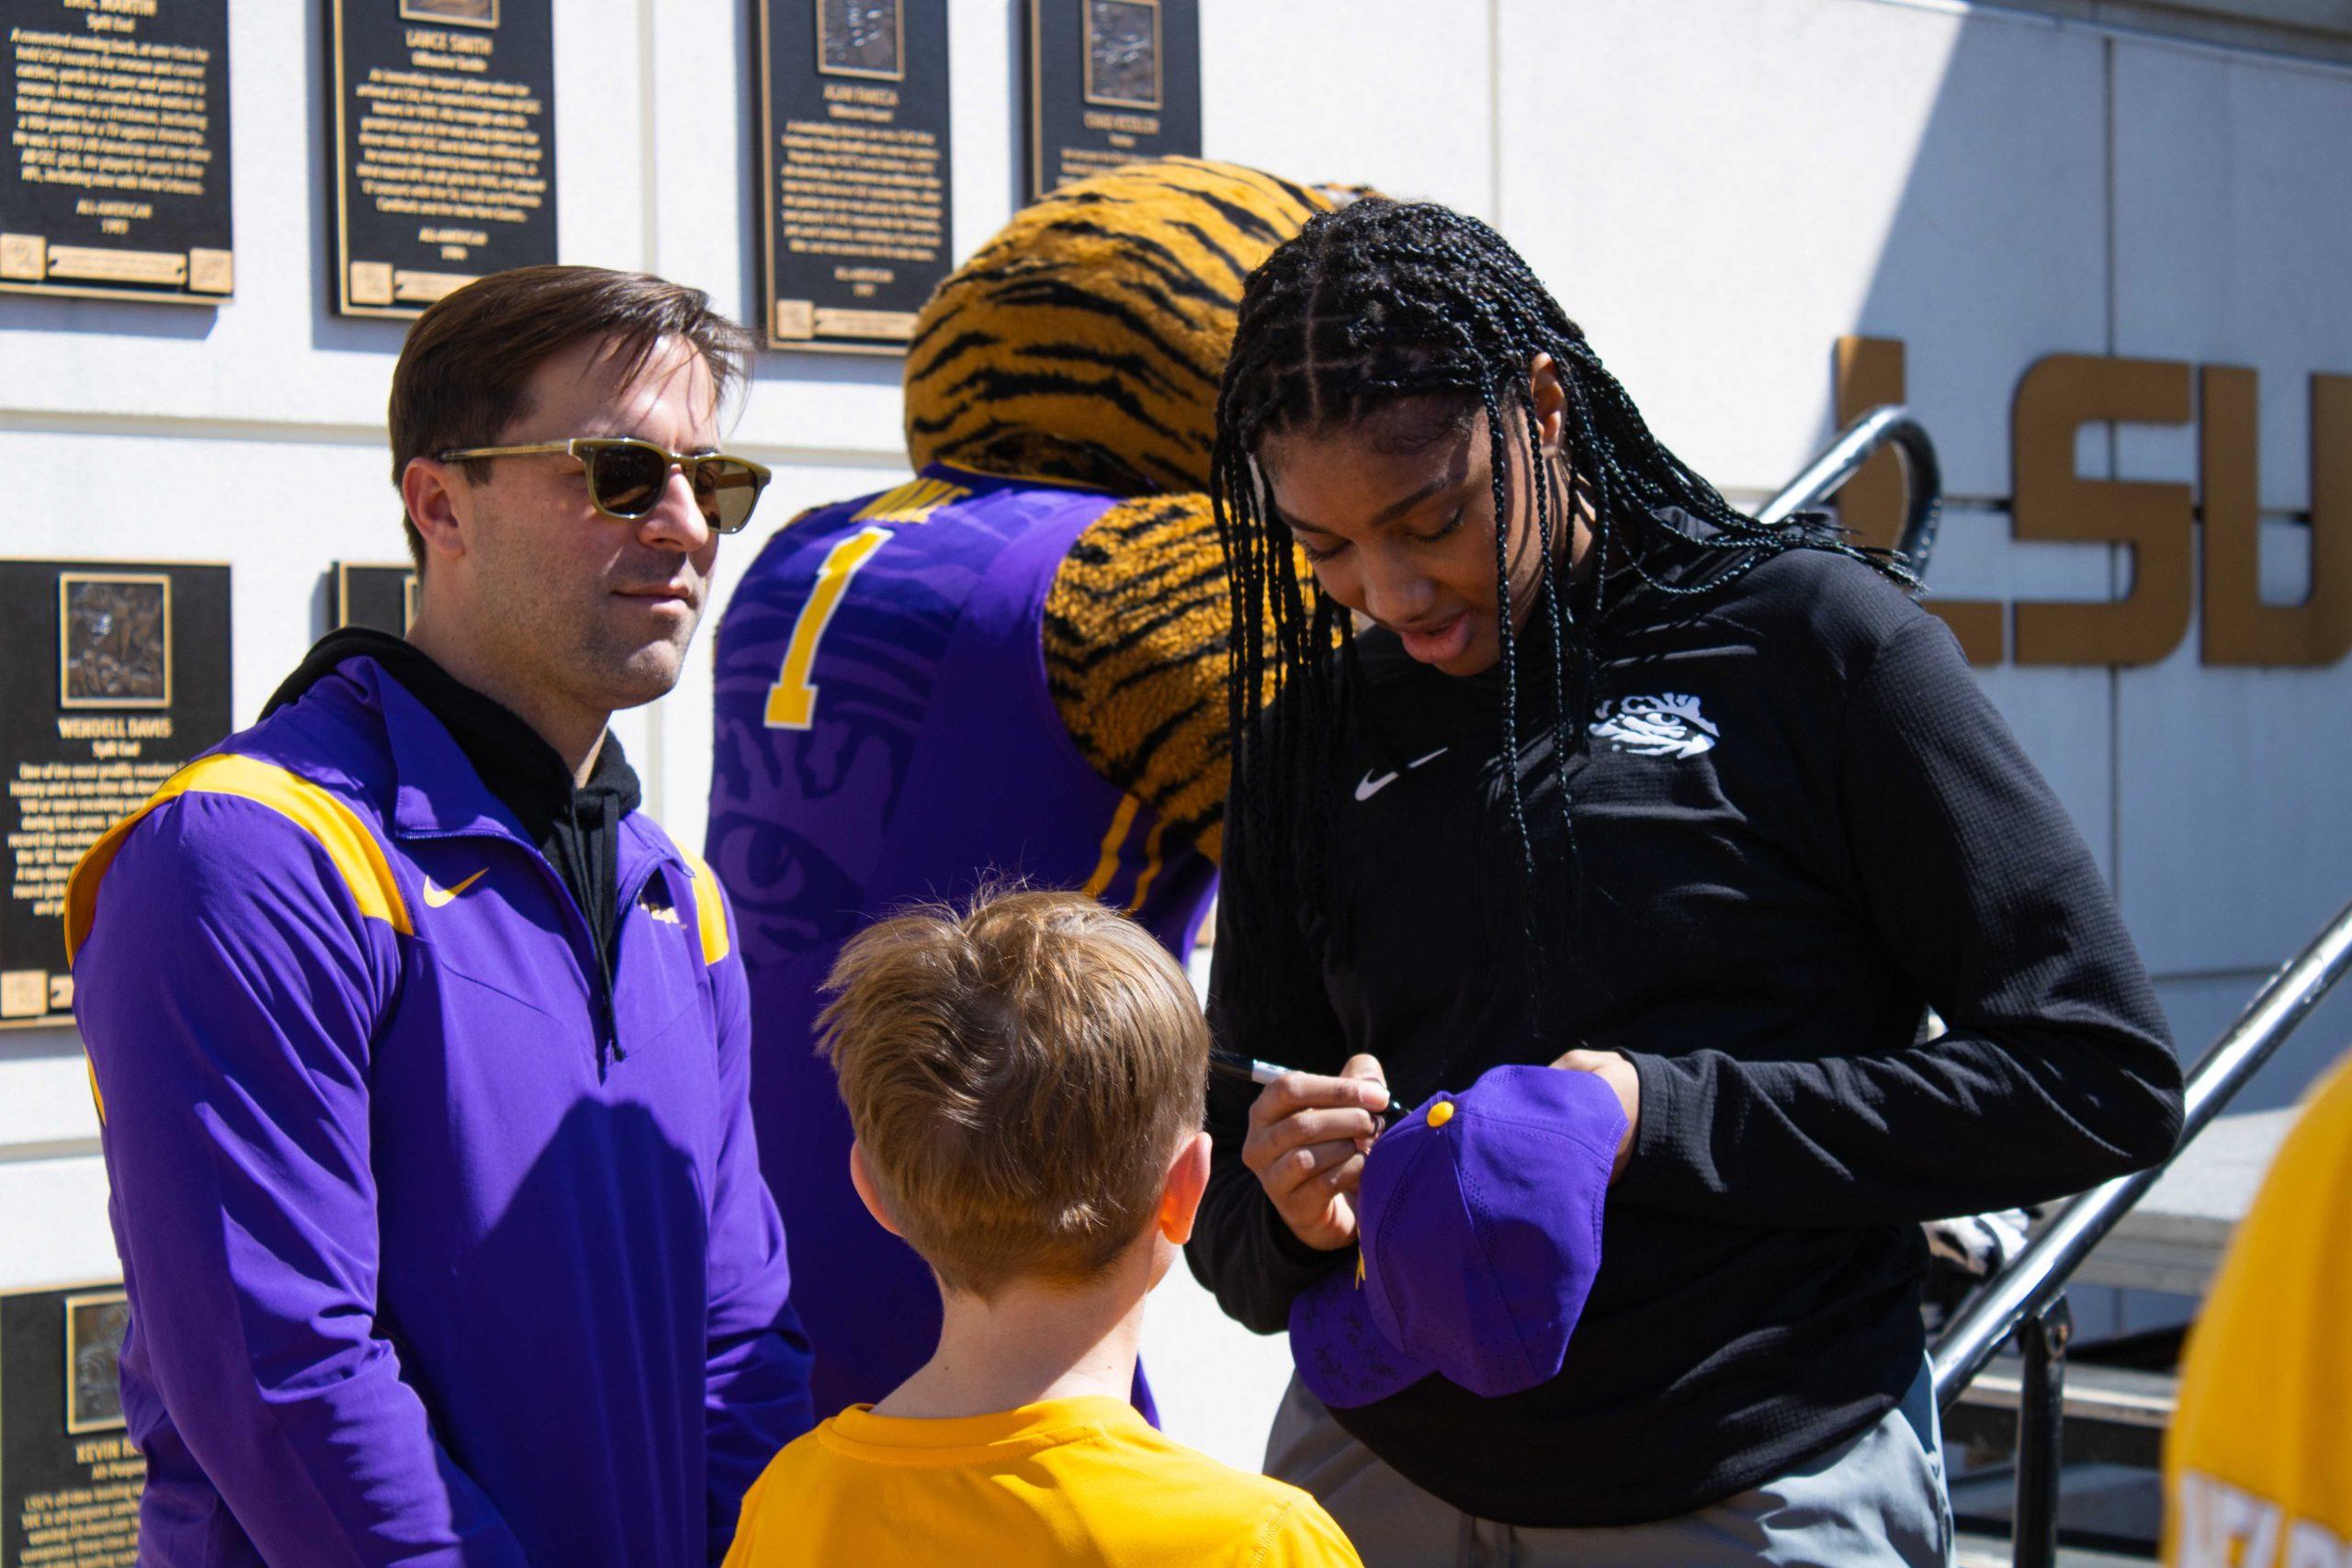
{"x":1479,"y":1235}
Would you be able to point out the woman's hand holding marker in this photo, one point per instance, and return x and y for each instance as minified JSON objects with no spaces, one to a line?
{"x":1307,"y":1143}
{"x":1613,"y":1069}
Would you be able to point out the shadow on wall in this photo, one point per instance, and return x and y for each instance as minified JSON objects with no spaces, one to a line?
{"x":106,"y":318}
{"x":2030,"y":205}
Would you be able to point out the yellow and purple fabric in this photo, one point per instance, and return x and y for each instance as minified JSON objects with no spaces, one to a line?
{"x":442,"y":1244}
{"x":1479,"y":1234}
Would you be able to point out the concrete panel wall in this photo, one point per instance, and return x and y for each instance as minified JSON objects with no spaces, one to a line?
{"x":1717,"y":189}
{"x":2232,"y":227}
{"x":2231,"y":237}
{"x":1394,"y":94}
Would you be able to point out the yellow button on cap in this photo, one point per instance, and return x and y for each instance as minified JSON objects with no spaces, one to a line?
{"x":1441,"y":1113}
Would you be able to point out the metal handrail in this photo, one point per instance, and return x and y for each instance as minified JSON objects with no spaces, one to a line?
{"x":2029,"y":1298}
{"x":1889,"y":424}
{"x":2039,"y":1272}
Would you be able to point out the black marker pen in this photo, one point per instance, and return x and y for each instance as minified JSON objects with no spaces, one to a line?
{"x":1253,"y":1071}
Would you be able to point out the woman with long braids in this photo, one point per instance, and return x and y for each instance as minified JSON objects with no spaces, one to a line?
{"x":1550,"y":757}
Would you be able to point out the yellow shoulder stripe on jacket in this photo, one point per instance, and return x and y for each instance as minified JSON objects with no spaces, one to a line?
{"x":345,"y":838}
{"x":710,"y":906}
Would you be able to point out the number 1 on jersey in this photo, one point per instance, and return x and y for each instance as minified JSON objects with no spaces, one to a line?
{"x":792,"y":701}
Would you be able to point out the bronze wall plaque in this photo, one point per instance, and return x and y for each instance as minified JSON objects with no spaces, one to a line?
{"x":382,"y":596}
{"x":70,"y":1478}
{"x":855,"y":174}
{"x":114,"y":177}
{"x":111,"y":678}
{"x":444,"y":146}
{"x":1110,"y":82}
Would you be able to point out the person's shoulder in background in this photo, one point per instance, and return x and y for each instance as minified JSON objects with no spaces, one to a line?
{"x":2259,"y":1450}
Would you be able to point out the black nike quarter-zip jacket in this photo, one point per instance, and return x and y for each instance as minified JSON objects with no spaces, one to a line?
{"x":1798,"y":822}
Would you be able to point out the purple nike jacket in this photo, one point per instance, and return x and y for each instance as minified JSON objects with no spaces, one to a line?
{"x":440,"y":1249}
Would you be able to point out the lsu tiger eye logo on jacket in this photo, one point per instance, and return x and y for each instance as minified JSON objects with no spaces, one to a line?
{"x":1667,"y":725}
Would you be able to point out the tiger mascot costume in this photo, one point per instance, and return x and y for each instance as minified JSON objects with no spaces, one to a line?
{"x":1011,"y":666}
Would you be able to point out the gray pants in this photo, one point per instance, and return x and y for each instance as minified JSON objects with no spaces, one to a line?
{"x":1874,"y":1502}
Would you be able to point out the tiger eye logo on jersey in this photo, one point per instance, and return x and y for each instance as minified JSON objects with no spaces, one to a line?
{"x":1667,"y":725}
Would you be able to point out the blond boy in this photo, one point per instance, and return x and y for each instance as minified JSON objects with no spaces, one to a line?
{"x":1025,"y":1082}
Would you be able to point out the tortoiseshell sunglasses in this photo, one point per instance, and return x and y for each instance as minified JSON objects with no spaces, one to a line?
{"x":627,"y":476}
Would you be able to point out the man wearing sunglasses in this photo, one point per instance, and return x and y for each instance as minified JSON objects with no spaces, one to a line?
{"x":420,"y":1051}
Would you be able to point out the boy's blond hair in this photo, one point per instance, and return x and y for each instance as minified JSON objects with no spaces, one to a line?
{"x":1019,"y":1073}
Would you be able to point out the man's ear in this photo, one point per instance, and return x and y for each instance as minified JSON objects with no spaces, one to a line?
{"x":1180,"y":1194}
{"x":1551,"y":402}
{"x":864,"y":1185}
{"x":429,"y":489}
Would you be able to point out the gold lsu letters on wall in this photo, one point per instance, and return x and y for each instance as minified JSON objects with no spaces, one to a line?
{"x":2061,"y":392}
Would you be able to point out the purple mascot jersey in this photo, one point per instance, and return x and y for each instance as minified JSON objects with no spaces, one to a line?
{"x":884,"y":735}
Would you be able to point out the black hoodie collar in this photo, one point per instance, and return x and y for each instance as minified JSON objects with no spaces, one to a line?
{"x":577,"y":830}
{"x":521,"y":770}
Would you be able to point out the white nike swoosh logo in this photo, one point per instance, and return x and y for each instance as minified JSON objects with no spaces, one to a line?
{"x":437,"y":897}
{"x":1371,"y":787}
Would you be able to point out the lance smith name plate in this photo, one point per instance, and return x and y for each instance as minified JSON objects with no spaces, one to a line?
{"x":444,"y":146}
{"x":70,"y":1477}
{"x":1110,"y":82}
{"x":114,"y":180}
{"x":112,"y":676}
{"x":855,"y":169}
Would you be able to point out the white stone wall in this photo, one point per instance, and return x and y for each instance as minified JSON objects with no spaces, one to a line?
{"x":1715,"y":189}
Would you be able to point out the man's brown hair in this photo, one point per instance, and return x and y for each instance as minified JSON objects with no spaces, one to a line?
{"x":1019,"y":1072}
{"x":466,"y":365}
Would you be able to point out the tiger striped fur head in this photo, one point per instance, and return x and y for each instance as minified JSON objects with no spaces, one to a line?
{"x":1084,"y":342}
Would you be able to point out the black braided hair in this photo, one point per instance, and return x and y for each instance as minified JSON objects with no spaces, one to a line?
{"x":1384,"y":301}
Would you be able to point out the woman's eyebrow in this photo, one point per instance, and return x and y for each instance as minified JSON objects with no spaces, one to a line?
{"x":1389,"y":513}
{"x":1403,"y":505}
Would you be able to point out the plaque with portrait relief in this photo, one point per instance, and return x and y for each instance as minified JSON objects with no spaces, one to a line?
{"x":1110,"y":82}
{"x":114,"y":174}
{"x":114,"y":639}
{"x":444,"y":145}
{"x":70,"y":1477}
{"x":855,"y":178}
{"x":112,"y":676}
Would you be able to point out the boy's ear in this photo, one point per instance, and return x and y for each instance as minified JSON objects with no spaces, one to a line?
{"x":1180,"y":1195}
{"x":864,"y":1185}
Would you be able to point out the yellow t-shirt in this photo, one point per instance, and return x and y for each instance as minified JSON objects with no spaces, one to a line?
{"x":2258,"y":1470}
{"x":1076,"y":1480}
